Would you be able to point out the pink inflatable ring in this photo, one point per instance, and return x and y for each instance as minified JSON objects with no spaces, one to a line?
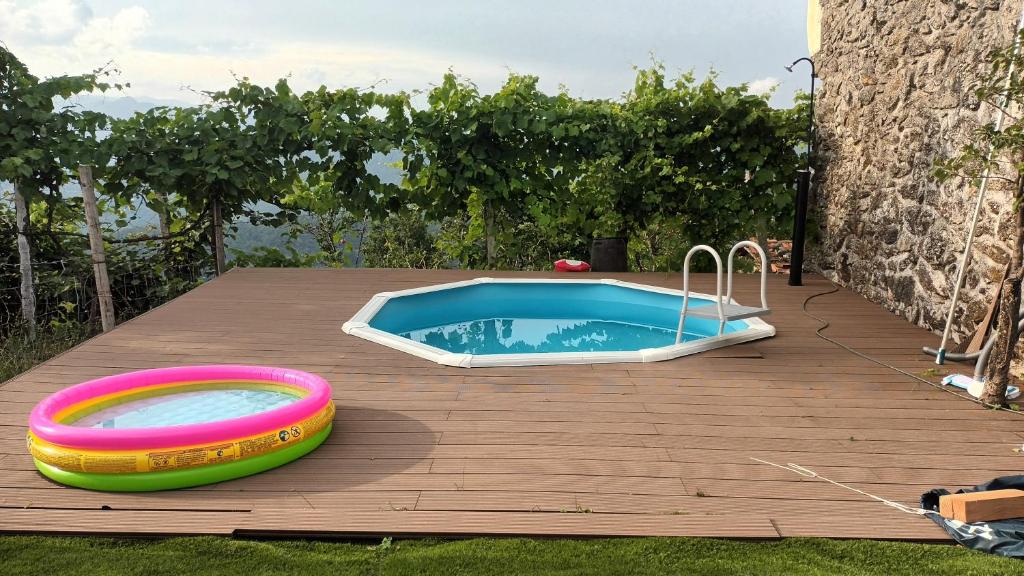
{"x":46,"y":420}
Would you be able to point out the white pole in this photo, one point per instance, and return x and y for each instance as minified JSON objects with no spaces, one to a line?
{"x":940,"y":358}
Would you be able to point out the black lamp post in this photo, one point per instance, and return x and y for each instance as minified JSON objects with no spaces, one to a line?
{"x":803,"y":187}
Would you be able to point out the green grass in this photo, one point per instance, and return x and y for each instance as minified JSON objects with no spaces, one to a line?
{"x":54,"y":556}
{"x":18,"y":353}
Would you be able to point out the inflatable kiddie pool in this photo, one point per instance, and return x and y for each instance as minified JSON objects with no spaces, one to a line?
{"x":178,"y":427}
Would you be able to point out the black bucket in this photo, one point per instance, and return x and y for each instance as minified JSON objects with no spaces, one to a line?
{"x":608,"y":255}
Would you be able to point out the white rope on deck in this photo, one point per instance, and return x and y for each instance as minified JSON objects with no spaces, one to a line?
{"x":808,"y":473}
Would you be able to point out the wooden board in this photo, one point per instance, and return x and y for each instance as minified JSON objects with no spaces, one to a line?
{"x":619,"y":449}
{"x":983,"y":506}
{"x":977,"y":341}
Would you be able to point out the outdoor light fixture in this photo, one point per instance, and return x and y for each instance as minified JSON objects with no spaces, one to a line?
{"x":803,"y":187}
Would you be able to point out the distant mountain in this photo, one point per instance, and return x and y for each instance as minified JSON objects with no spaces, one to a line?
{"x":120,"y":106}
{"x":383,"y":166}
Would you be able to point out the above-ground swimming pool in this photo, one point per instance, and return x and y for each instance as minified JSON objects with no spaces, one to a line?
{"x":513,"y":322}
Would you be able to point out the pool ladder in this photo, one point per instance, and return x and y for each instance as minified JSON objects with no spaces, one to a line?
{"x":727,"y":310}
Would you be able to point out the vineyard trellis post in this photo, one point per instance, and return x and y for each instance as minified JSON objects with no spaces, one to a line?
{"x":218,"y":236}
{"x":28,"y":293}
{"x":99,"y":262}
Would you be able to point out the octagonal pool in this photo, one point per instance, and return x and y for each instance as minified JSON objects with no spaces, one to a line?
{"x":514,"y":322}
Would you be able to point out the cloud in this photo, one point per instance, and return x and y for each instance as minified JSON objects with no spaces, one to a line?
{"x":78,"y":41}
{"x":55,"y":37}
{"x":763,"y":86}
{"x":161,"y":46}
{"x":47,"y":21}
{"x":306,"y":64}
{"x":115,"y":33}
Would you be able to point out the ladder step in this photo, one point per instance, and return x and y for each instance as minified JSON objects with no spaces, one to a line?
{"x":731,"y":312}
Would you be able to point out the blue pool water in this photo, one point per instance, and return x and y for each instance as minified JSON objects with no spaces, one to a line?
{"x":525,"y":318}
{"x":193,"y":407}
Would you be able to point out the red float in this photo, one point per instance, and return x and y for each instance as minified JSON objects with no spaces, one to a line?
{"x":571,"y":266}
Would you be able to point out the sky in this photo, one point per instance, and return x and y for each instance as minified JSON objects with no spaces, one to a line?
{"x":169,"y":51}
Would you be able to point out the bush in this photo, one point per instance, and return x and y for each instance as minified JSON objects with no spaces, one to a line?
{"x":402,"y":240}
{"x":18,"y":353}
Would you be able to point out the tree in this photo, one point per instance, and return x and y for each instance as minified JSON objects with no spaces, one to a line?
{"x":323,"y":216}
{"x":346,"y":128}
{"x":212,"y":162}
{"x":498,"y":156}
{"x":719,"y":160}
{"x":251,"y":146}
{"x":39,"y":143}
{"x":997,"y":152}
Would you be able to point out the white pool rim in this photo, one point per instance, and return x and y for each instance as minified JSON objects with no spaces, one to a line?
{"x":358,"y":326}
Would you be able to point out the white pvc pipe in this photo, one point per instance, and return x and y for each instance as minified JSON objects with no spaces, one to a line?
{"x":982,"y":189}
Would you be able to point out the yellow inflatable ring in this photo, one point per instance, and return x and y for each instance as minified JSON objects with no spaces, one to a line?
{"x":158,"y":460}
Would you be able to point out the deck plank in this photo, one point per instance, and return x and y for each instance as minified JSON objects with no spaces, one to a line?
{"x":620,"y":449}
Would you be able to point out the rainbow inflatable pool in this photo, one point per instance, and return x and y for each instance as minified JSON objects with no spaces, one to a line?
{"x":178,"y":427}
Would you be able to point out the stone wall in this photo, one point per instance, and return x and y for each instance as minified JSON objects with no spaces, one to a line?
{"x":896,"y":93}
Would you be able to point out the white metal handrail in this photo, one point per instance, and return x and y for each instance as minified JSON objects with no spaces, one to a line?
{"x":764,"y":271}
{"x":686,"y":288}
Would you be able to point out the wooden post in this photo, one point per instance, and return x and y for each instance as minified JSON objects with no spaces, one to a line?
{"x":28,"y":289}
{"x":218,"y":237}
{"x":164,"y":215}
{"x":99,"y":262}
{"x":165,"y":231}
{"x":490,"y":241}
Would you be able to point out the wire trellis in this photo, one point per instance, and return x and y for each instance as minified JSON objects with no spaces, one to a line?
{"x":65,"y":289}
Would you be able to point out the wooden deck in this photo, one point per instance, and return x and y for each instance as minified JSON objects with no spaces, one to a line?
{"x":620,"y":449}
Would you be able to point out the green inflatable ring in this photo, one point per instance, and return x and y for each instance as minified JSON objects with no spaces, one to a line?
{"x":184,"y":478}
